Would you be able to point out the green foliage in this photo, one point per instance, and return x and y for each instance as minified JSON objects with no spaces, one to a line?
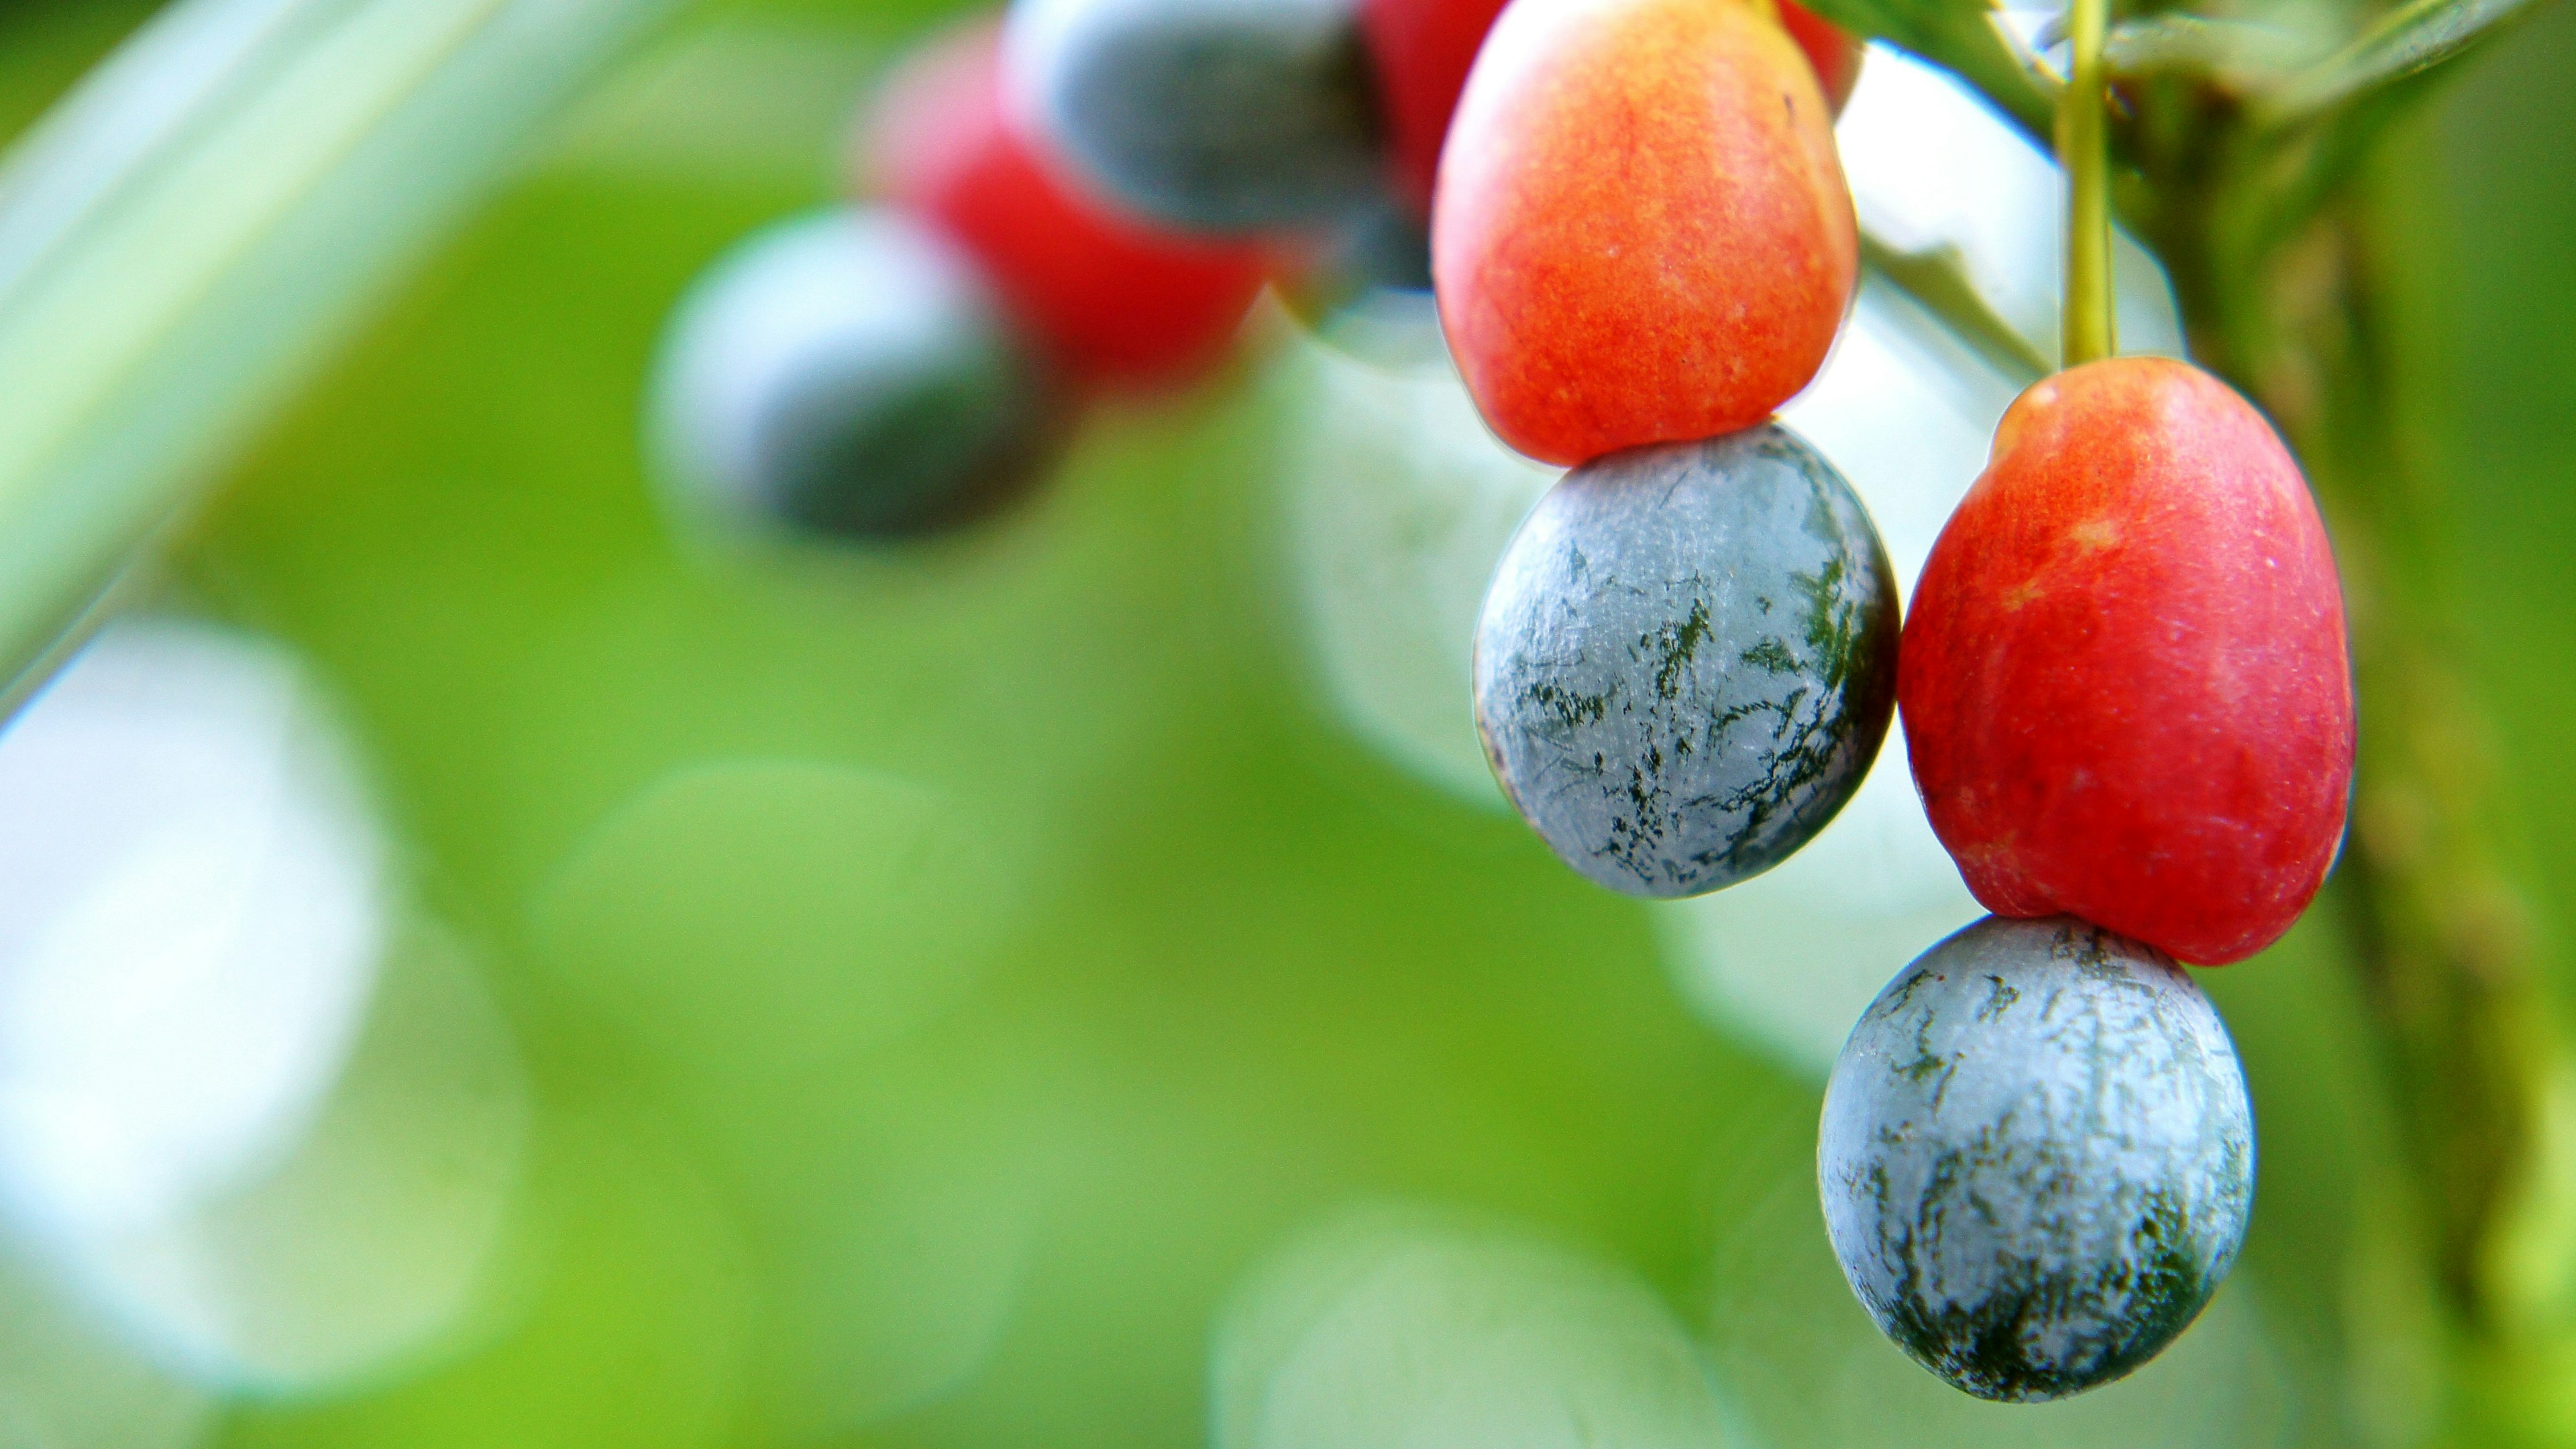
{"x":196,"y":223}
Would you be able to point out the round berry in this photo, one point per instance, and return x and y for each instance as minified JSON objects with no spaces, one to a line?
{"x":1687,"y":660}
{"x":1222,"y":116}
{"x":2037,"y":1157}
{"x":1643,"y":232}
{"x":849,"y":373}
{"x":1833,"y":52}
{"x":1113,"y":300}
{"x":2126,"y":688}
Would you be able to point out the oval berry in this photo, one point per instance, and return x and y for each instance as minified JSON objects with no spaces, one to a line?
{"x":2037,"y":1157}
{"x":1686,"y":661}
{"x":1833,"y":52}
{"x":1643,"y":232}
{"x":847,"y":373}
{"x":1220,"y":116}
{"x":1115,"y":300}
{"x":2126,"y":688}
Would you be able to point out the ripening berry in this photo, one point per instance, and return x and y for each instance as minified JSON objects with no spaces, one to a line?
{"x":1218,"y":116}
{"x":1423,"y":49}
{"x":1834,"y":52}
{"x":2125,"y":683}
{"x":1686,"y":661}
{"x":1643,"y":232}
{"x":1114,"y":300}
{"x":847,"y":373}
{"x":2037,"y":1157}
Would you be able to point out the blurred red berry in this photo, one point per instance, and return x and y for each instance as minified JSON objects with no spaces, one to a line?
{"x":1422,"y":51}
{"x":1114,"y":301}
{"x":1643,"y":234}
{"x":2124,"y":679}
{"x":1833,"y":51}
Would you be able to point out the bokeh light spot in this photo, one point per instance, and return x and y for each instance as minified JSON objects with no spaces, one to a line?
{"x":1397,"y":1328}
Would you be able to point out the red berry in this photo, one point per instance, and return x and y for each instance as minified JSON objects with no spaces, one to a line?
{"x":1833,"y":51}
{"x":1643,"y":232}
{"x":1116,"y":301}
{"x":1422,"y":50}
{"x":2124,"y":681}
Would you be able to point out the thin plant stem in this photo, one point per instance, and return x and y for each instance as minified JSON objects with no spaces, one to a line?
{"x":2083,"y":150}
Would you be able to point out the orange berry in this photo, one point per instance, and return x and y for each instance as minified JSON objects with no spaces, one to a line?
{"x":1642,"y":232}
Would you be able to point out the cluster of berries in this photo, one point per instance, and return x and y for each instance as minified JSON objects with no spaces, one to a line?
{"x":898,"y":366}
{"x":1084,"y":196}
{"x":2124,"y":678}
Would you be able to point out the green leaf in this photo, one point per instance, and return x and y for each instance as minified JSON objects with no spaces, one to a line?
{"x":1936,"y":280}
{"x":2242,"y":55}
{"x":2405,"y":42}
{"x":1966,"y":38}
{"x":193,"y":228}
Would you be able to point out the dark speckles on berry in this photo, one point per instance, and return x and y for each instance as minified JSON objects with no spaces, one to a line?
{"x":1686,"y":662}
{"x":2035,"y":1190}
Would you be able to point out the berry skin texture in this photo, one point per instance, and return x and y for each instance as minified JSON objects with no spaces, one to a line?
{"x":1686,"y":661}
{"x":2037,"y":1157}
{"x":1423,"y":50}
{"x":849,"y":374}
{"x":1643,"y":233}
{"x":1116,"y":301}
{"x":1209,"y":116}
{"x":1834,"y":52}
{"x":2126,"y":687}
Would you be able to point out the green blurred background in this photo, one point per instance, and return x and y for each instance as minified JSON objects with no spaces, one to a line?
{"x":945,"y":984}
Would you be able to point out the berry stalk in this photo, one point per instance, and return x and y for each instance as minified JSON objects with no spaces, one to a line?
{"x":2083,"y":152}
{"x":2291,"y":227}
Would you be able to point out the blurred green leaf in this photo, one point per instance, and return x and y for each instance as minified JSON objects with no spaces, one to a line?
{"x":1967,"y":38}
{"x":207,"y":214}
{"x":2241,"y":55}
{"x":2407,"y":41}
{"x":1938,"y":282}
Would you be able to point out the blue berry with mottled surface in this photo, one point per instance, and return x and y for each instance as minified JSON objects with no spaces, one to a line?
{"x":848,"y":373}
{"x":1687,"y":660}
{"x":2037,"y":1157}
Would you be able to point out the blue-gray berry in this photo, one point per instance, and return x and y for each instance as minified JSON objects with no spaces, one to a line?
{"x":2037,"y":1157}
{"x":1222,"y":116}
{"x":847,"y":373}
{"x":1687,"y":660}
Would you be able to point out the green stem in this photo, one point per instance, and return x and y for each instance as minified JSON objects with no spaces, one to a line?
{"x":2083,"y":150}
